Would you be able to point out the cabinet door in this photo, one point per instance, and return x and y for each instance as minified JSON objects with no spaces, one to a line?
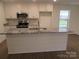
{"x":1,"y":10}
{"x":12,"y":9}
{"x":45,"y":20}
{"x":33,"y":11}
{"x":2,"y":18}
{"x":45,"y":7}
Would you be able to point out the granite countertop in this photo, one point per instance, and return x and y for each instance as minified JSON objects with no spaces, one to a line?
{"x":29,"y":32}
{"x":11,"y":29}
{"x":14,"y":30}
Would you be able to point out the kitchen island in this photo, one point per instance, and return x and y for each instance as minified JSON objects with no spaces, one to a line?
{"x":34,"y":38}
{"x":36,"y":42}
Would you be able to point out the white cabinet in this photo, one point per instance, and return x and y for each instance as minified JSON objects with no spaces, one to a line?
{"x":2,"y":21}
{"x":45,"y":7}
{"x":11,"y":10}
{"x":32,"y":9}
{"x":1,"y":10}
{"x":45,"y":20}
{"x":2,"y":17}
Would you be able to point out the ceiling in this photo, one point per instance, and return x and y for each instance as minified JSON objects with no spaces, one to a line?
{"x":58,"y":1}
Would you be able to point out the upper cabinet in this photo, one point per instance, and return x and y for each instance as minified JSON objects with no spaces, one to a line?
{"x":2,"y":14}
{"x":1,"y":10}
{"x":45,"y":7}
{"x":2,"y":18}
{"x":32,"y":9}
{"x":11,"y":10}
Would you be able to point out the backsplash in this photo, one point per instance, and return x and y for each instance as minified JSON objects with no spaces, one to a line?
{"x":11,"y":26}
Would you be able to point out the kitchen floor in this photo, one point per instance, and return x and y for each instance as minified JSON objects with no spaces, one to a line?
{"x":3,"y":50}
{"x":71,"y":53}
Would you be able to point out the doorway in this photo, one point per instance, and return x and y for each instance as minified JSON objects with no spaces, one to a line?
{"x":45,"y":19}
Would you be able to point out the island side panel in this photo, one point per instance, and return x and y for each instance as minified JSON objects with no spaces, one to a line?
{"x":36,"y":42}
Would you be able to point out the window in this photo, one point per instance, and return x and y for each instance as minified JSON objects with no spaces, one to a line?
{"x":63,"y":20}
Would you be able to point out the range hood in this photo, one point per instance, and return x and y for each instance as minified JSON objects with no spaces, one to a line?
{"x":22,"y":20}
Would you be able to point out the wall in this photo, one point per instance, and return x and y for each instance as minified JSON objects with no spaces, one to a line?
{"x":74,"y":18}
{"x":2,"y":21}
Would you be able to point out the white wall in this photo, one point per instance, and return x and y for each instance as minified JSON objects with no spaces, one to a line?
{"x":74,"y":18}
{"x":2,"y":21}
{"x":36,"y":42}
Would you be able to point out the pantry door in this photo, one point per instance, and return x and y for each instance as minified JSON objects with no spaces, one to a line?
{"x":45,"y":20}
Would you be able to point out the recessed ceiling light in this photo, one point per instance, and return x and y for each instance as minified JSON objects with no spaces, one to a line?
{"x":54,"y":0}
{"x":34,"y":0}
